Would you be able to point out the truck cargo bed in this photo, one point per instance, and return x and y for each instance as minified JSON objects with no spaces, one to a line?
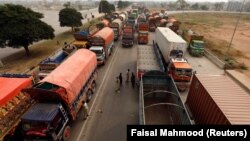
{"x":160,"y":101}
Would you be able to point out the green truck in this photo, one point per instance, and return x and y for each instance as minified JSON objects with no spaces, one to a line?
{"x":195,"y":43}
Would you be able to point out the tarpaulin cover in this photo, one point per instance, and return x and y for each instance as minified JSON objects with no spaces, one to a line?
{"x":10,"y":87}
{"x":106,"y":34}
{"x":74,"y":72}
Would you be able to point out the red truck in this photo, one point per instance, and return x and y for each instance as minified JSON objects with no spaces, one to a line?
{"x":13,"y":104}
{"x":60,"y":96}
{"x":143,"y":33}
{"x":128,"y":36}
{"x":102,"y":43}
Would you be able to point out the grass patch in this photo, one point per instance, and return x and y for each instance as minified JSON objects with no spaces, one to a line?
{"x":18,"y":62}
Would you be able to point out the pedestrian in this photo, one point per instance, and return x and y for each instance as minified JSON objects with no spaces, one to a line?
{"x":57,"y":42}
{"x":132,"y":79}
{"x":127,"y":74}
{"x":120,"y":78}
{"x":117,"y":89}
{"x":85,"y":110}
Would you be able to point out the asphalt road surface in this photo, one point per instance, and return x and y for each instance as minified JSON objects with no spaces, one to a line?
{"x":111,"y":112}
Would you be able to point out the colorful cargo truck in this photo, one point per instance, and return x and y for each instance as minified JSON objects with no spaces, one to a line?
{"x":59,"y":97}
{"x":50,"y":63}
{"x":128,"y":36}
{"x":102,"y":43}
{"x":13,"y":104}
{"x":160,"y":102}
{"x":142,"y":37}
{"x":195,"y":43}
{"x":117,"y":26}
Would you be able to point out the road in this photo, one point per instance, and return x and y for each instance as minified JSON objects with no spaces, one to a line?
{"x":111,"y":112}
{"x":51,"y":17}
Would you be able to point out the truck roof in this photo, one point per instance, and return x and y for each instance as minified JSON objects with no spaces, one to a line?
{"x":181,"y":63}
{"x":83,"y":63}
{"x":146,"y":58}
{"x":43,"y":112}
{"x":170,"y":35}
{"x":10,"y":87}
{"x":105,"y":22}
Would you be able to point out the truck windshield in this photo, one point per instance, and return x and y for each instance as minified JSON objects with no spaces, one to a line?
{"x":199,"y":44}
{"x":35,"y":126}
{"x":97,"y":52}
{"x":183,"y":72}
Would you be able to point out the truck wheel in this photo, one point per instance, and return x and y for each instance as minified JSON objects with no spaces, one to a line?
{"x":89,"y":95}
{"x":93,"y":87}
{"x":66,"y":133}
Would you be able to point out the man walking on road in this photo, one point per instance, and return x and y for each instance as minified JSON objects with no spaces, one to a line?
{"x":120,"y":78}
{"x":118,"y":85}
{"x":127,"y":78}
{"x":132,"y":79}
{"x":85,"y":110}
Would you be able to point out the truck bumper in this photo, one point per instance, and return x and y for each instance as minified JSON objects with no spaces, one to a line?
{"x":127,"y":44}
{"x":197,"y":52}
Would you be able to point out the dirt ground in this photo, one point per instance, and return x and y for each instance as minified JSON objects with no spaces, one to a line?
{"x":218,"y":31}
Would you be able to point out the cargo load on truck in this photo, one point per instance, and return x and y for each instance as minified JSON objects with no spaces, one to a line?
{"x":173,"y":24}
{"x":160,"y":102}
{"x":157,"y":20}
{"x":143,"y":29}
{"x":117,"y":26}
{"x":151,"y":22}
{"x":102,"y":43}
{"x":50,"y":63}
{"x":170,"y":44}
{"x":148,"y":59}
{"x":195,"y":43}
{"x":217,"y":100}
{"x":123,"y":18}
{"x":128,"y":36}
{"x":60,"y":95}
{"x":13,"y":103}
{"x":105,"y":22}
{"x":82,"y":37}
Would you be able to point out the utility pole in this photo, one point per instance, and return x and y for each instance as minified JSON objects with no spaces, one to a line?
{"x":236,"y":25}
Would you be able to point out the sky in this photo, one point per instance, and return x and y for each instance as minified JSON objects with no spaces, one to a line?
{"x":140,"y":0}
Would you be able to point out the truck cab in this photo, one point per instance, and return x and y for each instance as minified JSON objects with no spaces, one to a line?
{"x":100,"y":54}
{"x":181,"y":72}
{"x":196,"y":47}
{"x":46,"y":121}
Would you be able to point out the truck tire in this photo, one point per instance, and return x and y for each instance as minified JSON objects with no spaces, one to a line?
{"x":66,"y":133}
{"x":93,"y":87}
{"x":89,"y":95}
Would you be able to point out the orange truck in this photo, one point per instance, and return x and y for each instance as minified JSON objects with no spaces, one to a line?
{"x":173,"y":24}
{"x":157,"y":20}
{"x":143,"y":33}
{"x":105,"y":22}
{"x":13,"y":104}
{"x":128,"y":36}
{"x":59,"y":98}
{"x":102,"y":43}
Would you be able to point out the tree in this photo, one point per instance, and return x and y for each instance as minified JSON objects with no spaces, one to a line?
{"x":70,"y":17}
{"x":181,"y":4}
{"x":21,"y":26}
{"x":112,"y":8}
{"x":67,"y":4}
{"x":204,"y":7}
{"x":195,"y":6}
{"x":120,"y":4}
{"x":218,"y":6}
{"x":104,"y":7}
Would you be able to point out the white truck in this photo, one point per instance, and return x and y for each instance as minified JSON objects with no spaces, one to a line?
{"x":170,"y":44}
